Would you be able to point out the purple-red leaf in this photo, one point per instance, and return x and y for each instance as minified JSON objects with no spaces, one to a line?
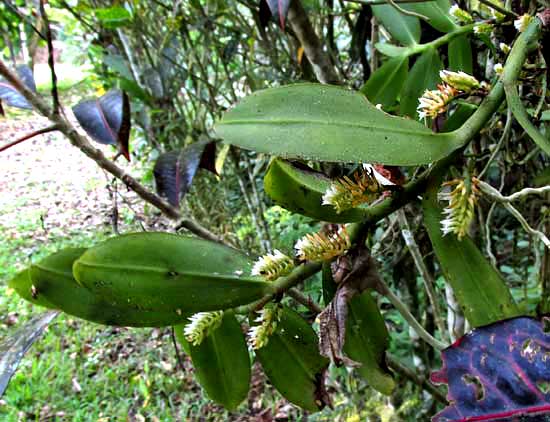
{"x":107,"y":119}
{"x":11,"y":96}
{"x":174,"y":171}
{"x":500,"y":372}
{"x":269,"y":8}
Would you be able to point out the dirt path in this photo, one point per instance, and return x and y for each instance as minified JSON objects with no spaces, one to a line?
{"x":48,"y":179}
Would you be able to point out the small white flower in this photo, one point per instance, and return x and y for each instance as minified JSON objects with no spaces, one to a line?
{"x":323,"y":246}
{"x":379,"y":106}
{"x":459,"y":80}
{"x":460,"y":15}
{"x":461,"y":208}
{"x":258,"y":335}
{"x":498,"y":69}
{"x":349,"y":192}
{"x":483,"y":28}
{"x":434,"y":102}
{"x":523,"y":22}
{"x":200,"y":325}
{"x":272,"y":266}
{"x":505,"y":48}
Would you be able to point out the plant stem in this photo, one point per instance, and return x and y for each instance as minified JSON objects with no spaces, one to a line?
{"x":427,"y":278}
{"x":29,"y":136}
{"x":512,"y":68}
{"x":406,"y":314}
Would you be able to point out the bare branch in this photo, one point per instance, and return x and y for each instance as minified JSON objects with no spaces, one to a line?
{"x":29,"y":136}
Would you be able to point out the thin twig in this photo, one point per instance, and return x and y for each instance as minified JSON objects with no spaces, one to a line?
{"x":505,"y":12}
{"x":427,"y":277}
{"x":51,"y":60}
{"x":526,"y":191}
{"x":176,"y":348}
{"x":406,"y":314}
{"x":29,"y":136}
{"x":305,"y":300}
{"x":407,"y":12}
{"x":504,"y":136}
{"x":495,"y":195}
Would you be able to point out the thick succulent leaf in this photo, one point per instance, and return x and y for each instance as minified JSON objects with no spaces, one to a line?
{"x":51,"y":283}
{"x":277,"y":8}
{"x":174,"y":171}
{"x":329,"y":123}
{"x":292,"y":362}
{"x":423,"y":75}
{"x":11,"y":96}
{"x":460,"y":54}
{"x":384,"y":85}
{"x":437,"y":12}
{"x":22,"y":284}
{"x":366,"y":338}
{"x":13,"y":348}
{"x":405,"y":29}
{"x":165,"y":272}
{"x":222,"y":363}
{"x":300,"y":190}
{"x":479,"y":288}
{"x":498,"y":372}
{"x":107,"y":119}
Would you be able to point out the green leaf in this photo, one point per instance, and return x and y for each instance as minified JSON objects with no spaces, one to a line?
{"x":292,"y":362}
{"x":22,"y":284}
{"x":384,"y":85}
{"x":392,"y":50}
{"x":422,"y":76}
{"x":460,"y":54}
{"x":222,"y":363}
{"x":301,"y":191}
{"x":367,"y":337}
{"x":55,"y":285}
{"x":479,"y":288}
{"x":367,"y":340}
{"x":113,"y":17}
{"x":437,"y":12}
{"x":329,"y":123}
{"x":462,"y":112}
{"x":165,"y":272}
{"x":405,"y":29}
{"x":543,"y":178}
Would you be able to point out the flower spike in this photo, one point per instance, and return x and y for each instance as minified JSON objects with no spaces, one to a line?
{"x":272,"y":266}
{"x":201,"y":325}
{"x":321,"y":246}
{"x":460,"y":211}
{"x":346,"y":193}
{"x":258,"y":335}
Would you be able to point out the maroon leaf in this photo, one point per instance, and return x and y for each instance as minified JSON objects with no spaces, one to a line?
{"x":269,"y":8}
{"x":11,"y":96}
{"x":500,"y":372}
{"x":174,"y":171}
{"x":107,"y":119}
